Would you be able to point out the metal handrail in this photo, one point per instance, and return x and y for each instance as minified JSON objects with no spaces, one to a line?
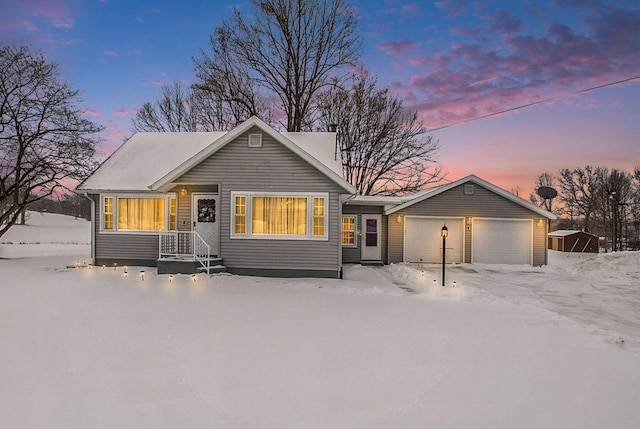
{"x":181,"y":244}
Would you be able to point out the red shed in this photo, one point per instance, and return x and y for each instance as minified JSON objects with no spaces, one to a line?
{"x":573,"y":241}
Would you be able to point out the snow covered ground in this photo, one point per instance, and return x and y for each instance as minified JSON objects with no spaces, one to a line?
{"x":509,"y":347}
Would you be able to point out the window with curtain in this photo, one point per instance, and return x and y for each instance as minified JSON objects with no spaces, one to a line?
{"x":279,"y":215}
{"x":141,"y":214}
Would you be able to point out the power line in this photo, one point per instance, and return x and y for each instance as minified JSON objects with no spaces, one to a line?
{"x":511,"y":109}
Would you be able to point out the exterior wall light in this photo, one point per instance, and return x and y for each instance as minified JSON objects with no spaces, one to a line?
{"x":183,"y":191}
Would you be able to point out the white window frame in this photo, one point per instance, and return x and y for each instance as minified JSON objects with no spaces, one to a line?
{"x":115,"y":197}
{"x":355,"y":230}
{"x":249,"y":216}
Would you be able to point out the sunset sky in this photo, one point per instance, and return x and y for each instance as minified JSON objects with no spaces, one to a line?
{"x":451,"y":60}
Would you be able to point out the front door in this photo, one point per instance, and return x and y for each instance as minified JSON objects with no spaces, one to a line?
{"x":371,"y":230}
{"x":206,"y":219}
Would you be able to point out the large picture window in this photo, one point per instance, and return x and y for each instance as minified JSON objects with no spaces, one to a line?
{"x":279,"y":216}
{"x":139,"y":213}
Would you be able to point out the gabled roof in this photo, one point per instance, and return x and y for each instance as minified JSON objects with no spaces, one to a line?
{"x":432,"y":192}
{"x":333,"y":170}
{"x":152,"y":161}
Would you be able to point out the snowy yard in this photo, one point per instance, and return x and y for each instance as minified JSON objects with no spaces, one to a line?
{"x":509,"y":347}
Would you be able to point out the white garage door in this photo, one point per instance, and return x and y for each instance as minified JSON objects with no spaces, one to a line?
{"x":501,"y":241}
{"x":422,"y":240}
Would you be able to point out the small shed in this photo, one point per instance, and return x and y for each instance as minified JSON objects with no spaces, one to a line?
{"x":573,"y":241}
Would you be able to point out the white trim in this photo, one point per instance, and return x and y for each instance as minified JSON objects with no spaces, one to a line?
{"x":167,"y":211}
{"x":249,"y":216}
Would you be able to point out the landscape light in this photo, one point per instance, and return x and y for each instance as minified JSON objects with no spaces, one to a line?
{"x":454,"y":284}
{"x":435,"y":282}
{"x":115,"y":266}
{"x":170,"y":278}
{"x":193,"y":277}
{"x":126,"y":273}
{"x":142,"y":275}
{"x":77,"y":264}
{"x":89,"y":266}
{"x":104,"y":266}
{"x":444,"y":232}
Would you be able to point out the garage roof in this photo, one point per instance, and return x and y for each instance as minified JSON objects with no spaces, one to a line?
{"x":432,"y":192}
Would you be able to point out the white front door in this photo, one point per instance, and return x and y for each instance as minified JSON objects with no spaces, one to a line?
{"x":371,"y":231}
{"x":206,"y":219}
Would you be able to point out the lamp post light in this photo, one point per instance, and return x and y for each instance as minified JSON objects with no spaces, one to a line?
{"x":444,"y":232}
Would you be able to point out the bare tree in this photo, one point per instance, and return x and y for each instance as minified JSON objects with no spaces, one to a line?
{"x":578,"y":193}
{"x":290,"y":48}
{"x":173,"y":111}
{"x":45,"y":143}
{"x":385,"y":149}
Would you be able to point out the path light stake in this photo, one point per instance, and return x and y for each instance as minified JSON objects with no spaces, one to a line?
{"x":454,"y":283}
{"x":89,"y":266}
{"x":77,"y":264}
{"x":193,"y":277}
{"x":104,"y":266}
{"x":444,"y":232}
{"x":142,"y":275}
{"x":435,"y":282}
{"x":170,"y":278}
{"x":126,"y":273}
{"x":115,"y":266}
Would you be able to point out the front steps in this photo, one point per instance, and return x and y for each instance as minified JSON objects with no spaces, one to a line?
{"x":188,"y":265}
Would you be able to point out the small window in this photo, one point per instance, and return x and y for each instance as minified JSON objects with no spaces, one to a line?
{"x":348,"y":231}
{"x":240,"y":225}
{"x":255,"y":140}
{"x":469,"y":189}
{"x":107,"y":216}
{"x":172,"y":214}
{"x":318,"y":217}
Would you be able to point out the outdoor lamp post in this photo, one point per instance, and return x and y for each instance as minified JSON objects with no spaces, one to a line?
{"x":444,"y":232}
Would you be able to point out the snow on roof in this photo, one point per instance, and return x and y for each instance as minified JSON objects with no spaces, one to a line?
{"x":566,"y":232}
{"x":144,"y":158}
{"x":322,"y":146}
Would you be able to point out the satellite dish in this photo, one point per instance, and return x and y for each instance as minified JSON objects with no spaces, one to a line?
{"x":547,"y":193}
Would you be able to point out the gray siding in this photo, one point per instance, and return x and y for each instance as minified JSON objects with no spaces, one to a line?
{"x":454,"y":203}
{"x":352,"y":255}
{"x":270,"y":168}
{"x":140,"y":249}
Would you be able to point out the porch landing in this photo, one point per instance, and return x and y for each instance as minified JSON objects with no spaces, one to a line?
{"x":187,"y":265}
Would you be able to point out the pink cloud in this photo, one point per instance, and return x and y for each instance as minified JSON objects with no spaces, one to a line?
{"x":397,"y":47}
{"x":92,"y":112}
{"x":120,"y":112}
{"x":110,"y":53}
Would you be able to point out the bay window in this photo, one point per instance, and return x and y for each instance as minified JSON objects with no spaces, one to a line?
{"x":279,"y":216}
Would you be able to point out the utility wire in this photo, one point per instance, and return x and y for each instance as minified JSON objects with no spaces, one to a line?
{"x":488,"y":115}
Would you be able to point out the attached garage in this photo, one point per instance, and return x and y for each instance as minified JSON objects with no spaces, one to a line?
{"x":502,"y":241}
{"x":486,"y":225}
{"x":423,"y":242}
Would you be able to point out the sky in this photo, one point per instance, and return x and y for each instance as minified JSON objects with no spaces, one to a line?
{"x":457,"y":63}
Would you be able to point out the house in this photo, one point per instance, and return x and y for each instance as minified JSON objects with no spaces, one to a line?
{"x":573,"y":241}
{"x":269,"y":203}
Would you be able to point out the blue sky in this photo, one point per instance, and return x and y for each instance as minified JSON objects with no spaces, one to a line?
{"x":451,"y":60}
